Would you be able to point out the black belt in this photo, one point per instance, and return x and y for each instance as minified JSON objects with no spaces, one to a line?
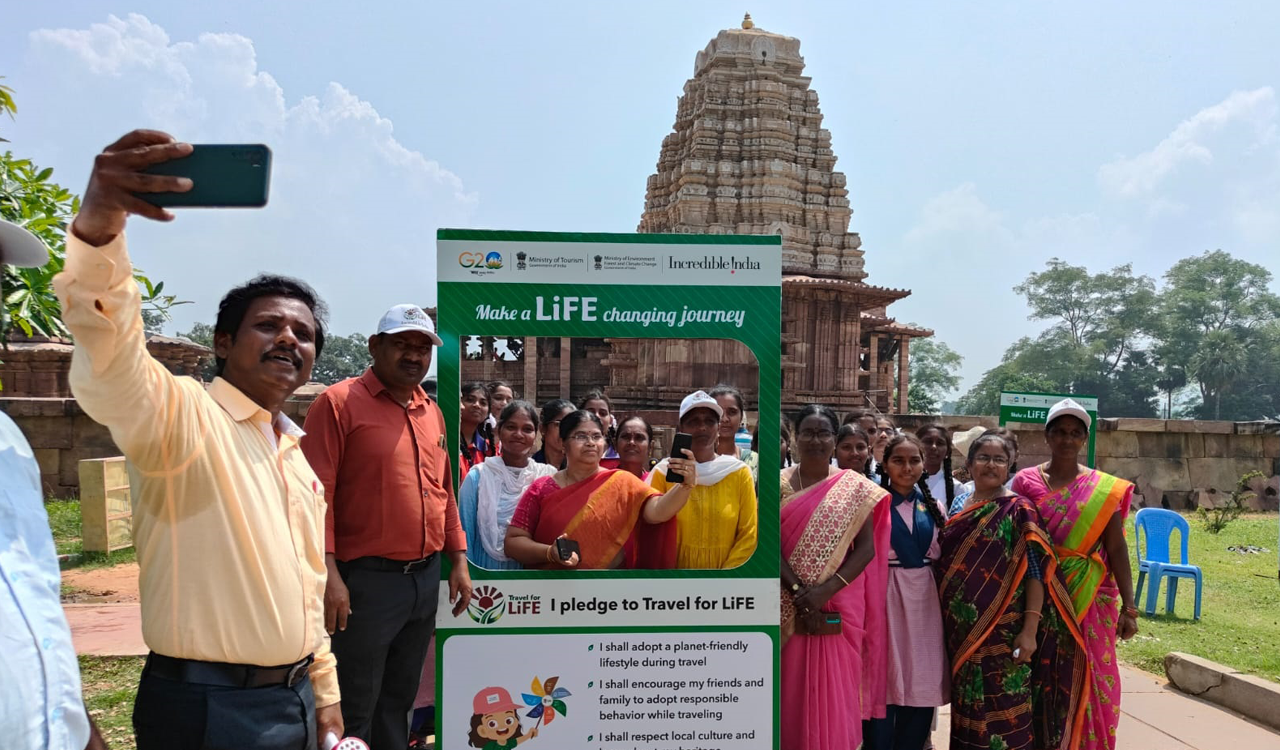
{"x":400,"y":566}
{"x":226,"y":675}
{"x":898,"y":564}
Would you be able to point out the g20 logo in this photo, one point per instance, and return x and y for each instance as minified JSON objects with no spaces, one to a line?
{"x":492,"y":260}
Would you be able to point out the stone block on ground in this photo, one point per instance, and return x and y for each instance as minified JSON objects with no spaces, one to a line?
{"x":1251,"y":696}
{"x":1180,"y":499}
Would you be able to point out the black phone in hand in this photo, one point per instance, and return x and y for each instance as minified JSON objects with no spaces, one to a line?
{"x":682,"y":442}
{"x":565,"y":549}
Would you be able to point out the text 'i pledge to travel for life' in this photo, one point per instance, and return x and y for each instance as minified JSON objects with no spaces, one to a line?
{"x":650,"y":604}
{"x":585,"y":309}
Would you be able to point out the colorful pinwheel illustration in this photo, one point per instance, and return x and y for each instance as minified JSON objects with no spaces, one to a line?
{"x":546,"y":700}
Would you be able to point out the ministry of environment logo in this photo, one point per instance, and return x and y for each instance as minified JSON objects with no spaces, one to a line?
{"x":599,"y":261}
{"x":492,"y":260}
{"x":487,"y":605}
{"x":520,"y":258}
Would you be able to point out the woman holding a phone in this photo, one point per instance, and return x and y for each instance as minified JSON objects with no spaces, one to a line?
{"x":718,"y":526}
{"x":833,"y":593}
{"x":585,"y":516}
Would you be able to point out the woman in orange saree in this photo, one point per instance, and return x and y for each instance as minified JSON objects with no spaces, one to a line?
{"x":833,"y":594}
{"x":1083,"y":511}
{"x":615,"y":519}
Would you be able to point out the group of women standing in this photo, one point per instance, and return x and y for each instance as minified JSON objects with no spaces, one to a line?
{"x":571,"y":486}
{"x":1010,"y":609}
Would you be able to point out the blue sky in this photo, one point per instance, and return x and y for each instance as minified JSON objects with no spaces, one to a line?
{"x":979,"y":140}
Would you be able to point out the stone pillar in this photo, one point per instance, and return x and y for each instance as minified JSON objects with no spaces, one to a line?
{"x":902,"y":374}
{"x":531,"y":369}
{"x":566,"y":349}
{"x":873,"y":365}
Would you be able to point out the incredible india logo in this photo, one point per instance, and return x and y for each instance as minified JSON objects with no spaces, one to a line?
{"x":487,"y":605}
{"x":469,"y":259}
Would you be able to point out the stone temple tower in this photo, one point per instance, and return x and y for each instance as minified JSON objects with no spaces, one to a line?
{"x":748,"y":155}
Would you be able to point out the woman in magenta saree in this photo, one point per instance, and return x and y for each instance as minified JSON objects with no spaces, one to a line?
{"x":833,"y":522}
{"x":1083,"y":511}
{"x":1019,"y":668}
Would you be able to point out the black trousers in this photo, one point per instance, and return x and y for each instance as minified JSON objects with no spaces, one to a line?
{"x":381,"y":653}
{"x":903,"y":728}
{"x":170,"y":715}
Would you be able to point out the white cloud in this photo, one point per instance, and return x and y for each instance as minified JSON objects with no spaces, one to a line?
{"x":1243,"y":123}
{"x":353,"y":210}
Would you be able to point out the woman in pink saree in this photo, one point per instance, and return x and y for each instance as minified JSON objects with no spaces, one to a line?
{"x":1083,"y":512}
{"x":833,"y":594}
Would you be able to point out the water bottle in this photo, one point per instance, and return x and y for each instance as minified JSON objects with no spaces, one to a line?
{"x":742,"y":439}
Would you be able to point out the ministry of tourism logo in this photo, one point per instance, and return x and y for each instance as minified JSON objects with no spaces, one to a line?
{"x":487,"y":605}
{"x":491,"y":260}
{"x":520,"y":260}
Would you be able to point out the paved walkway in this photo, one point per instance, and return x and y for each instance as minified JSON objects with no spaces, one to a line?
{"x":1155,"y":716}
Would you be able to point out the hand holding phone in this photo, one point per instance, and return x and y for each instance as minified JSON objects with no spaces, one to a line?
{"x":683,"y":441}
{"x":222,"y":176}
{"x":565,"y":551}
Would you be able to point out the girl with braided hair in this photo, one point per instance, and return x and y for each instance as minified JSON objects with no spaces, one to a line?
{"x":918,"y":676}
{"x":937,"y":462}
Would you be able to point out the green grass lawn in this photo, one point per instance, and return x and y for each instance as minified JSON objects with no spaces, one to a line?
{"x":1240,"y":610}
{"x":64,"y":521}
{"x":109,"y":685}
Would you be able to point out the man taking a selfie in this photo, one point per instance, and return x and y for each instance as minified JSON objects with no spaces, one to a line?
{"x":228,"y":517}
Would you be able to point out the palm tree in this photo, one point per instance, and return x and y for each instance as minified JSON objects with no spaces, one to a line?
{"x":1217,"y":364}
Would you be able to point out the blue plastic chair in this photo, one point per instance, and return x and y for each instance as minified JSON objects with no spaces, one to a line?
{"x":1157,"y":525}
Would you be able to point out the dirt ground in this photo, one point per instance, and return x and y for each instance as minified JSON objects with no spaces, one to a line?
{"x":117,"y":584}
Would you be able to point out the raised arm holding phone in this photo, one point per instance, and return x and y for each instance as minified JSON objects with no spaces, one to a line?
{"x":229,"y":517}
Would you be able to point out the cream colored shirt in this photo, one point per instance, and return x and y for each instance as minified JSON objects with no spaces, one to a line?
{"x":228,"y":516}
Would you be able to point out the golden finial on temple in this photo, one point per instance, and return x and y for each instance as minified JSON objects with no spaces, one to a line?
{"x":747,"y":23}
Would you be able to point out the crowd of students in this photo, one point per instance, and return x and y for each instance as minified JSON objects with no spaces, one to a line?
{"x":593,"y":489}
{"x":904,"y":589}
{"x":907,"y":583}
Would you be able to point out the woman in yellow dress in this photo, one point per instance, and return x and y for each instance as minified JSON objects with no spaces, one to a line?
{"x":717,"y":527}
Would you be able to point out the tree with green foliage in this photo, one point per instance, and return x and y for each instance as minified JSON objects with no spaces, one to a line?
{"x":1219,"y":319}
{"x":933,"y":375}
{"x":29,"y":198}
{"x":1095,"y":345}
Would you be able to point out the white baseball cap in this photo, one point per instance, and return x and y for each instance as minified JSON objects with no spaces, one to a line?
{"x":700,"y":400}
{"x":403,"y":318}
{"x":19,"y":247}
{"x":1068,"y":406}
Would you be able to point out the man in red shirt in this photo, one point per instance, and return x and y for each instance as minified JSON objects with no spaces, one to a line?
{"x":378,"y":445}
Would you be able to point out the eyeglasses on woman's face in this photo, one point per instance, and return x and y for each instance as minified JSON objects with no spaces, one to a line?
{"x":816,"y":435}
{"x":583,"y":438}
{"x":983,"y":459}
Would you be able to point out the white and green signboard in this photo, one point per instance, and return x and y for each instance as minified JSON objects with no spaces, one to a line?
{"x":1033,"y":408}
{"x":614,"y":659}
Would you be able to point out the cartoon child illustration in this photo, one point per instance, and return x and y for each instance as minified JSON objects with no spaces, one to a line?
{"x":495,"y":723}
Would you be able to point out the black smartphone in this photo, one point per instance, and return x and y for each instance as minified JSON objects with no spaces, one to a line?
{"x":566,"y":547}
{"x":682,"y":442}
{"x":222,"y":176}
